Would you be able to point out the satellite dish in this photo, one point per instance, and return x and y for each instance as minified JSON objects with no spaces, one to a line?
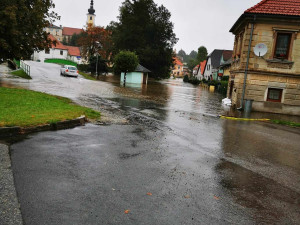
{"x":260,"y":49}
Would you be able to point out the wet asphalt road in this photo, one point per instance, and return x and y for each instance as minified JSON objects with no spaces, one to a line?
{"x":198,"y":169}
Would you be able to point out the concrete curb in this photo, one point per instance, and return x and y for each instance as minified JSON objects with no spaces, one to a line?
{"x":7,"y":132}
{"x":10,"y":213}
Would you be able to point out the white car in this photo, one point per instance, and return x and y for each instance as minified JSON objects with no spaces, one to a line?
{"x":68,"y":70}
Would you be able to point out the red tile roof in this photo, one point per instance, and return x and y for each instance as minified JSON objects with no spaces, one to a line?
{"x":73,"y":51}
{"x":196,"y":67}
{"x":69,"y":31}
{"x":177,"y":62}
{"x":202,"y":66}
{"x":58,"y":45}
{"x":276,"y":7}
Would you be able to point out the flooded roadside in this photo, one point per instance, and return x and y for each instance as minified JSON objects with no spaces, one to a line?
{"x":194,"y":163}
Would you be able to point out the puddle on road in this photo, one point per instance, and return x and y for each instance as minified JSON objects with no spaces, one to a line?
{"x":269,"y":199}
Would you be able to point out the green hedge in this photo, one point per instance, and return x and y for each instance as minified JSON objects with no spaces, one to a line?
{"x":84,"y":67}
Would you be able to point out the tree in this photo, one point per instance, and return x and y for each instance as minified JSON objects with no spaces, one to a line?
{"x":192,"y":63}
{"x":101,"y":66}
{"x":64,"y":41}
{"x":182,"y":54}
{"x":193,"y":55}
{"x":202,"y":54}
{"x":21,"y":27}
{"x":145,"y":28}
{"x":74,"y":39}
{"x":96,"y":40}
{"x":125,"y":61}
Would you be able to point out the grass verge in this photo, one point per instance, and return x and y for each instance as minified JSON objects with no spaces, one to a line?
{"x":287,"y":123}
{"x":21,"y":73}
{"x":61,"y":62}
{"x":19,"y":107}
{"x":87,"y":76}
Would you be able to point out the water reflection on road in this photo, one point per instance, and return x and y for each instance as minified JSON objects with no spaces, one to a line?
{"x":252,"y":167}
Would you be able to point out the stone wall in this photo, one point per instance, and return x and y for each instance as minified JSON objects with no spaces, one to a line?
{"x":257,"y":88}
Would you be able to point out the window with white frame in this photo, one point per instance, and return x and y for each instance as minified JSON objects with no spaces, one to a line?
{"x":274,"y":95}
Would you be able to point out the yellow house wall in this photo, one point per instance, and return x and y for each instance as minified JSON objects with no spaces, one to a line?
{"x":262,"y":76}
{"x":175,"y":71}
{"x":57,"y":33}
{"x":226,"y":72}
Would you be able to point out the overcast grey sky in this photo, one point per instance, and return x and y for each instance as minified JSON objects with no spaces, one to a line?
{"x":196,"y":22}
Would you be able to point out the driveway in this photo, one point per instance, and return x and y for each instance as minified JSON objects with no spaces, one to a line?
{"x":160,"y":158}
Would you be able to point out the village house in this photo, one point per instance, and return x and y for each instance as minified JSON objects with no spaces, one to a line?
{"x":177,"y":70}
{"x":200,"y":71}
{"x":56,"y":31}
{"x":68,"y":32}
{"x":272,"y":80}
{"x":225,"y":65}
{"x":57,"y":51}
{"x":186,"y":70}
{"x":74,"y":54}
{"x":214,"y":60}
{"x":59,"y":34}
{"x":62,"y":34}
{"x":195,"y":70}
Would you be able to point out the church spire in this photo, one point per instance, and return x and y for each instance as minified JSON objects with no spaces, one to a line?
{"x":91,"y":9}
{"x":91,"y":15}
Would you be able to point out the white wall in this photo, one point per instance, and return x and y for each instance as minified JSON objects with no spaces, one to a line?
{"x":53,"y":54}
{"x":74,"y":59}
{"x":199,"y":76}
{"x":208,"y":69}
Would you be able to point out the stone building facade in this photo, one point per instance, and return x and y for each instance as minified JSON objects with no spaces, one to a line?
{"x":56,"y":31}
{"x":273,"y":81}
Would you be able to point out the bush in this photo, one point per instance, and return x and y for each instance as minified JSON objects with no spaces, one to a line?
{"x":194,"y":80}
{"x":213,"y":82}
{"x":225,"y":78}
{"x":84,"y":67}
{"x":125,"y":61}
{"x":186,"y":78}
{"x":222,"y":87}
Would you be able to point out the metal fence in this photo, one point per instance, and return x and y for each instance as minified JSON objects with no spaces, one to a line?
{"x":25,"y":67}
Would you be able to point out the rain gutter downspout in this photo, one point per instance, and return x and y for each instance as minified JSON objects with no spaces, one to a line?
{"x":247,"y":64}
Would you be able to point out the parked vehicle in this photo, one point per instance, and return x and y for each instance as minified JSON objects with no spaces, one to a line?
{"x":68,"y":70}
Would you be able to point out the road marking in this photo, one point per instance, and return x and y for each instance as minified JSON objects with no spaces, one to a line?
{"x":242,"y":119}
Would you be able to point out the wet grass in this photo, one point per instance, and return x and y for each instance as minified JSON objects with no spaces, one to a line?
{"x":21,"y":73}
{"x":19,"y":107}
{"x":87,"y":76}
{"x":286,"y":123}
{"x":61,"y":62}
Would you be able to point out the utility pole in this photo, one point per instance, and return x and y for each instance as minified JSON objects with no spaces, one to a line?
{"x":98,"y":45}
{"x":97,"y":65}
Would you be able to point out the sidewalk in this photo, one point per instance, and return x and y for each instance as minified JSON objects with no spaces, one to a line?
{"x":10,"y":213}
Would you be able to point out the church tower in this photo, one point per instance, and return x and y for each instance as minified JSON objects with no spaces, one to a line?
{"x":91,"y":15}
